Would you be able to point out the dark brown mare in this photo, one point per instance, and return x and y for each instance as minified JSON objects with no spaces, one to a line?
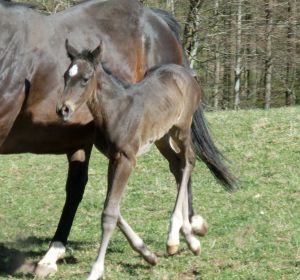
{"x":32,"y":63}
{"x":129,"y":118}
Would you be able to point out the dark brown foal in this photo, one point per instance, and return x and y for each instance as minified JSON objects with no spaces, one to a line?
{"x":32,"y":63}
{"x":129,"y":118}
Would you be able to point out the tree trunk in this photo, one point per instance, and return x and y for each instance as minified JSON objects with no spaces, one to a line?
{"x":191,"y":30}
{"x":268,"y":61}
{"x":227,"y":56}
{"x":238,"y":57}
{"x":217,"y":58}
{"x":290,"y":96}
{"x":251,"y":54}
{"x":171,"y":6}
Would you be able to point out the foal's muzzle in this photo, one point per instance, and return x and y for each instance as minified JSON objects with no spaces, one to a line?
{"x":64,"y":111}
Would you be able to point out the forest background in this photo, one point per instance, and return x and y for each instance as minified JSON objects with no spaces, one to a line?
{"x":246,"y":53}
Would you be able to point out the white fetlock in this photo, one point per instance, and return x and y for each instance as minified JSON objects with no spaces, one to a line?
{"x":96,"y":273}
{"x":44,"y":269}
{"x":47,"y":265}
{"x":195,"y":246}
{"x":199,"y":225}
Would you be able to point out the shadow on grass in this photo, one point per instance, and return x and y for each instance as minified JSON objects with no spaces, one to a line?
{"x":16,"y":257}
{"x":10,"y":260}
{"x":134,"y":269}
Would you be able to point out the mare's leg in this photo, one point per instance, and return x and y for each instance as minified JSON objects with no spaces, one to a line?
{"x":199,"y":225}
{"x":118,"y":174}
{"x":136,"y":242}
{"x":77,"y":179}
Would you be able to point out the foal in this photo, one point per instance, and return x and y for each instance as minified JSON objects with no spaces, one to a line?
{"x":129,"y":118}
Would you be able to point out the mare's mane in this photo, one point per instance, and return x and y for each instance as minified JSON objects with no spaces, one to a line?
{"x":170,"y":20}
{"x":10,"y":4}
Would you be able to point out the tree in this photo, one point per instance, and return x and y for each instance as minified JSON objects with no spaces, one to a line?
{"x":290,"y":95}
{"x":238,"y":55}
{"x":268,"y":60}
{"x":217,"y":57}
{"x":191,"y":30}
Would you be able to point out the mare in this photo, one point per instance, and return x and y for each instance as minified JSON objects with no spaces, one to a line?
{"x":32,"y":63}
{"x":129,"y":118}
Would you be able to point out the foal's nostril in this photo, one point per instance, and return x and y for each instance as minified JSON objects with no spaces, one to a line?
{"x":64,"y":112}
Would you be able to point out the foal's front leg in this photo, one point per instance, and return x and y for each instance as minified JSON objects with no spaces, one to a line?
{"x":118,"y":174}
{"x":136,"y":242}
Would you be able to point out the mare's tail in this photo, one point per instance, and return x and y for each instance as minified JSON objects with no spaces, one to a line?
{"x":207,"y":151}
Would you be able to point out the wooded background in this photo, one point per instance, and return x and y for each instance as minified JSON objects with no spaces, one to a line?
{"x":246,"y":53}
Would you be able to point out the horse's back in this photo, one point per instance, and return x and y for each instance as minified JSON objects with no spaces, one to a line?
{"x":170,"y":75}
{"x":169,"y":90}
{"x":135,"y":39}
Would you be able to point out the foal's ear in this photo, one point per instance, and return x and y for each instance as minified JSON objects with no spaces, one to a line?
{"x":97,"y":54}
{"x":71,"y":51}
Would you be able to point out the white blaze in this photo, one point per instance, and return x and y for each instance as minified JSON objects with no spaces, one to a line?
{"x":73,"y":70}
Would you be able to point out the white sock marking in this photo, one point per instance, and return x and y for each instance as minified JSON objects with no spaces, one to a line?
{"x":55,"y":252}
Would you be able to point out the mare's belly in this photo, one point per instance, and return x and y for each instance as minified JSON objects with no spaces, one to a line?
{"x":51,"y":137}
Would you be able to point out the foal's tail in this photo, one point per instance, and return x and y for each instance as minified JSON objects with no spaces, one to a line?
{"x":207,"y":151}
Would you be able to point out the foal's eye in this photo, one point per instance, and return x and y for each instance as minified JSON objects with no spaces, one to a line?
{"x":84,"y":81}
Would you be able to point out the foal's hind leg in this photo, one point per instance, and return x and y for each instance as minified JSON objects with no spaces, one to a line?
{"x":180,"y":216}
{"x":192,"y":241}
{"x":199,"y":225}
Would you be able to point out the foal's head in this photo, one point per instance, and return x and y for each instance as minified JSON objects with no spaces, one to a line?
{"x":80,"y":80}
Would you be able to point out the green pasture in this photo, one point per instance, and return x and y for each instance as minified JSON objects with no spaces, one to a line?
{"x":254,"y":233}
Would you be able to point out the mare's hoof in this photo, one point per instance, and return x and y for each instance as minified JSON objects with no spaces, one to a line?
{"x":151,"y":259}
{"x":199,"y":225}
{"x":43,"y":270}
{"x":172,"y":249}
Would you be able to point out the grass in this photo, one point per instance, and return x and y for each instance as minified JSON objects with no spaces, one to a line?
{"x":254,"y":233}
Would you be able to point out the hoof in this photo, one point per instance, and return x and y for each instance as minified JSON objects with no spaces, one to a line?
{"x":199,"y":225}
{"x":195,"y":247}
{"x":197,"y":252}
{"x":151,"y":259}
{"x":96,"y":274}
{"x":43,"y":270}
{"x":172,"y":249}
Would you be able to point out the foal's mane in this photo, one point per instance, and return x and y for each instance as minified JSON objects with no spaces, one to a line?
{"x":119,"y":81}
{"x":88,"y":56}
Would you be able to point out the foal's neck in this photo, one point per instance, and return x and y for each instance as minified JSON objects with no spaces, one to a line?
{"x":109,"y":96}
